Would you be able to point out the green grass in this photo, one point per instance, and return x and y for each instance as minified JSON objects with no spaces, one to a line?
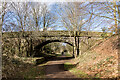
{"x":59,"y":54}
{"x":79,"y":73}
{"x":83,"y":60}
{"x":72,"y":68}
{"x":68,"y":66}
{"x":68,"y":55}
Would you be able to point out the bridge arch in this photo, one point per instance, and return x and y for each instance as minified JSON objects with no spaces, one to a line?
{"x":50,"y":41}
{"x":39,"y":46}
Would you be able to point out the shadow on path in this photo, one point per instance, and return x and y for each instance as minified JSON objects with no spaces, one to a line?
{"x":60,"y":58}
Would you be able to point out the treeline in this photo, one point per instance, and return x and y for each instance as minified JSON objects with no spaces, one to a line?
{"x":36,"y":16}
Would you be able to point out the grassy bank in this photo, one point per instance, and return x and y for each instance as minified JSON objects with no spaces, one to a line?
{"x":21,"y":67}
{"x":94,"y":65}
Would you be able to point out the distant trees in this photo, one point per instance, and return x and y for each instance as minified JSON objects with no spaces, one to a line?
{"x":104,"y":34}
{"x":54,"y":47}
{"x":73,"y":16}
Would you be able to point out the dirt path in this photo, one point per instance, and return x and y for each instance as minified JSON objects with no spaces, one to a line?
{"x":55,"y":68}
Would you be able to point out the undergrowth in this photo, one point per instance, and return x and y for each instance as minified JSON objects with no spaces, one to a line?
{"x":20,"y":68}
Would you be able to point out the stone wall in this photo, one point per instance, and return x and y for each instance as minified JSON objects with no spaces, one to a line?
{"x":25,"y":46}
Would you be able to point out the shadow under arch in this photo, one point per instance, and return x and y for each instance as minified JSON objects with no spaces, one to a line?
{"x":50,"y":41}
{"x":39,"y":46}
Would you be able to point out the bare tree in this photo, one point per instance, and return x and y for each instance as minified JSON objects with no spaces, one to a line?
{"x":108,"y":11}
{"x":20,"y":11}
{"x":48,"y":18}
{"x":118,"y":7}
{"x":36,"y":13}
{"x":3,"y":11}
{"x":5,"y":7}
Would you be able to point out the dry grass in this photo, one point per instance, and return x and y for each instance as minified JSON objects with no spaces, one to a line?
{"x":102,"y":62}
{"x":96,"y":66}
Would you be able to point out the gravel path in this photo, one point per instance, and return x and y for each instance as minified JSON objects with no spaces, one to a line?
{"x":55,"y":68}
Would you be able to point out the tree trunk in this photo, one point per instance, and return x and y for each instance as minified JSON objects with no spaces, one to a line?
{"x":115,"y":17}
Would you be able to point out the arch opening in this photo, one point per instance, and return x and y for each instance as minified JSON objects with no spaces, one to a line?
{"x":50,"y":41}
{"x":41,"y":46}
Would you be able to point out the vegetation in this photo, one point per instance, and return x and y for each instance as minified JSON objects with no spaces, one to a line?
{"x":104,"y":34}
{"x":100,"y":62}
{"x":91,"y":66}
{"x":27,"y":19}
{"x":68,"y":66}
{"x":21,"y":68}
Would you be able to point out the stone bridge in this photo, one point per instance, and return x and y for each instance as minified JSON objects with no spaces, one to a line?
{"x":31,"y":42}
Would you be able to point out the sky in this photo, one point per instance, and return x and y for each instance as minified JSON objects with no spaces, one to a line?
{"x":62,"y":28}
